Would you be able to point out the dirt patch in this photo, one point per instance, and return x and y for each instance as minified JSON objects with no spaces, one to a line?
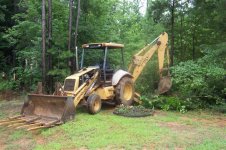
{"x":175,"y":126}
{"x":2,"y":144}
{"x":219,"y":122}
{"x":8,"y":95}
{"x":106,"y":108}
{"x":25,"y":143}
{"x":160,"y":113}
{"x":10,"y":108}
{"x":149,"y":147}
{"x":179,"y":148}
{"x":40,"y":140}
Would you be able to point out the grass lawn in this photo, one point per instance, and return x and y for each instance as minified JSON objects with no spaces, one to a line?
{"x":164,"y":130}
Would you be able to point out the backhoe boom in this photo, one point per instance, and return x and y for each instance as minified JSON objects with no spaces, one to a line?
{"x":140,"y":59}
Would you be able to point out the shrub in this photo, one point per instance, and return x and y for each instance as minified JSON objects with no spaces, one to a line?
{"x":196,"y":84}
{"x":165,"y":103}
{"x":195,"y":81}
{"x":203,"y":81}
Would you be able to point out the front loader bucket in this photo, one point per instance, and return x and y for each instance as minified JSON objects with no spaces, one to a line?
{"x":42,"y":111}
{"x":164,"y":85}
{"x":49,"y":106}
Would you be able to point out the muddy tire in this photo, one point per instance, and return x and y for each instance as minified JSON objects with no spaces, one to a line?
{"x":94,"y":104}
{"x":124,"y":91}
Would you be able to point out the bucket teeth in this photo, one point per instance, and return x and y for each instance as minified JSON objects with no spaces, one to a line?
{"x":16,"y":124}
{"x":15,"y":117}
{"x":26,"y":126}
{"x":20,"y":122}
{"x":52,"y":123}
{"x":4,"y":120}
{"x":34,"y":119}
{"x":36,"y":128}
{"x":11,"y":122}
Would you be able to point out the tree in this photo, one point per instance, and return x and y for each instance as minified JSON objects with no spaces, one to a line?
{"x":76,"y":32}
{"x":44,"y":43}
{"x":160,"y":11}
{"x":50,"y":79}
{"x":69,"y":31}
{"x":172,"y":32}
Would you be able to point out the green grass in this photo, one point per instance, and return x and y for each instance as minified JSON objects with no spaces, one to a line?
{"x":107,"y":131}
{"x":16,"y":135}
{"x":103,"y":130}
{"x":165,"y":130}
{"x":213,"y":144}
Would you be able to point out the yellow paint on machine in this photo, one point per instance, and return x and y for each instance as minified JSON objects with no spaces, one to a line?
{"x":105,"y":93}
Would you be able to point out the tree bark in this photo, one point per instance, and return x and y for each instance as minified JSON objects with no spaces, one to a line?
{"x":172,"y":33}
{"x":50,"y":78}
{"x":43,"y":43}
{"x":76,"y":30}
{"x":182,"y":50}
{"x":69,"y":33}
{"x":49,"y":23}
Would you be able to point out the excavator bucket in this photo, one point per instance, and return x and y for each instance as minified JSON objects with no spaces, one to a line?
{"x":164,"y":85}
{"x":42,"y":111}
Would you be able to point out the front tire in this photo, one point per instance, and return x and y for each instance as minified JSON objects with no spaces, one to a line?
{"x":94,"y":103}
{"x":124,"y":91}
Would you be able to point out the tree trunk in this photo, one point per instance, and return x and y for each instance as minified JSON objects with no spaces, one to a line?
{"x":172,"y":33}
{"x":182,"y":51}
{"x":49,"y":23}
{"x":50,"y":78}
{"x":69,"y":33}
{"x":43,"y":43}
{"x":76,"y":29}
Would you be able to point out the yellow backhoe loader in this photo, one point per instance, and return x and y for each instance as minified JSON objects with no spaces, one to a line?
{"x":91,"y":86}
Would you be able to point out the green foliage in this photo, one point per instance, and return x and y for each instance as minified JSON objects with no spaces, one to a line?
{"x":165,"y":103}
{"x":203,"y":80}
{"x":112,"y":21}
{"x":195,"y":23}
{"x":150,"y":74}
{"x":7,"y":85}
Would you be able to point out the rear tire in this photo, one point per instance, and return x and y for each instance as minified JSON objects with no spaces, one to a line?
{"x":94,"y":103}
{"x":124,"y":92}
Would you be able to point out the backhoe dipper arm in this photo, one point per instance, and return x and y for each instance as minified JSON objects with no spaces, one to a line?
{"x":140,"y":59}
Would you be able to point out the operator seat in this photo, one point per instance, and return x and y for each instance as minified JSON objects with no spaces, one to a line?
{"x":108,"y":72}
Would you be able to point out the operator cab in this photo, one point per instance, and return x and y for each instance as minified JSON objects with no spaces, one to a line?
{"x":105,"y":56}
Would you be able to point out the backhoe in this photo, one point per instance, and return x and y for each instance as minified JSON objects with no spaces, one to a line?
{"x":91,"y":86}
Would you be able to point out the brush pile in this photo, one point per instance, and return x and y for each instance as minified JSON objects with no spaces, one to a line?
{"x":133,"y":111}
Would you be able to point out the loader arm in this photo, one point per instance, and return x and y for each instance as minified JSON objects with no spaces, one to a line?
{"x":140,"y":60}
{"x":84,"y":89}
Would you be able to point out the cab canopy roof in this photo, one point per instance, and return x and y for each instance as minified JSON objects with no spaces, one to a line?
{"x":102,"y":45}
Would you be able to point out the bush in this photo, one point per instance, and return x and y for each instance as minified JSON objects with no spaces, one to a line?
{"x":196,"y":84}
{"x":202,"y":82}
{"x":196,"y":81}
{"x":165,"y":103}
{"x":7,"y":85}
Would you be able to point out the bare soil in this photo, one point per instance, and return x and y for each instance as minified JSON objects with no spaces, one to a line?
{"x":176,"y":126}
{"x":8,"y":95}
